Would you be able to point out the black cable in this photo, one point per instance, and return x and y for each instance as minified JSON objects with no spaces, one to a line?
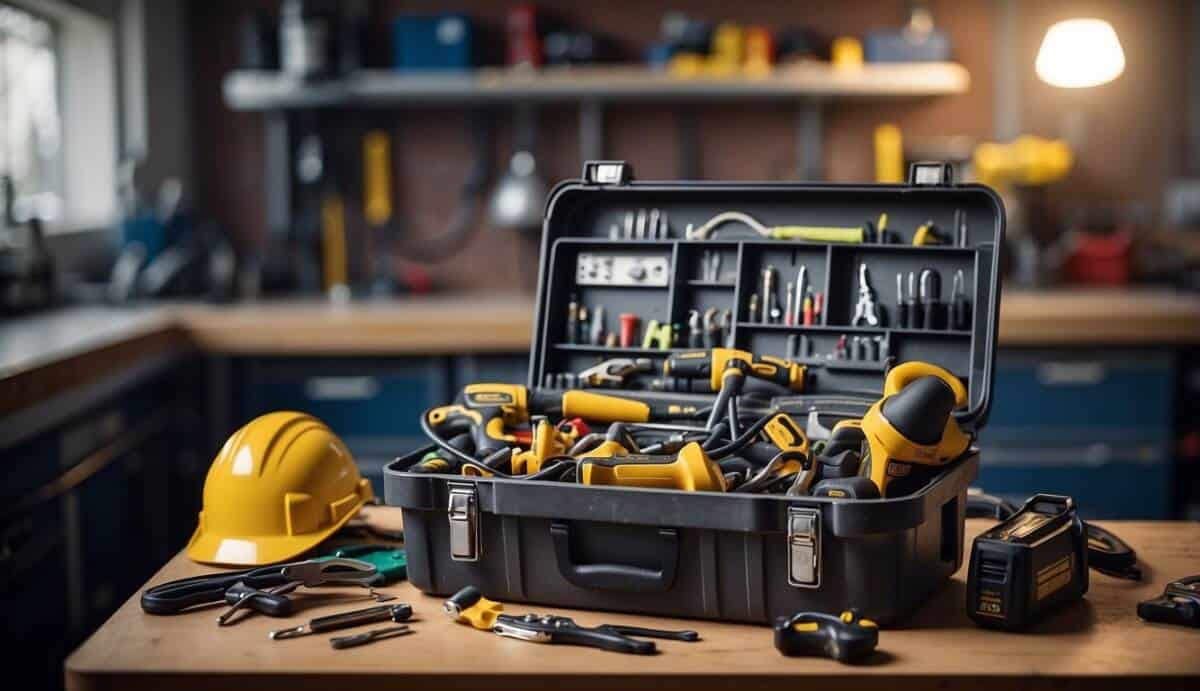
{"x":718,"y":433}
{"x":1110,"y":555}
{"x":745,"y":438}
{"x":442,"y":443}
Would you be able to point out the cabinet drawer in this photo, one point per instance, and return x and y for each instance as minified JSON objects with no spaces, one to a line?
{"x":1092,"y":389}
{"x":1120,"y":491}
{"x":1128,"y":479}
{"x":355,"y":398}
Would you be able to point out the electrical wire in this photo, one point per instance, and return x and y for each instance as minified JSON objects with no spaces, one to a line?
{"x":746,"y":437}
{"x":464,"y":223}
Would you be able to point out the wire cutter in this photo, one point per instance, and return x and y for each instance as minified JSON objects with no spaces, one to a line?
{"x":867,"y":310}
{"x":563,"y":630}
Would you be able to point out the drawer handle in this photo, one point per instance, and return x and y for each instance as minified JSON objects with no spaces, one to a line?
{"x":1071,"y":373}
{"x":341,"y":388}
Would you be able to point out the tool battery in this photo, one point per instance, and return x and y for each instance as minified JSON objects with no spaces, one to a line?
{"x":1028,"y":565}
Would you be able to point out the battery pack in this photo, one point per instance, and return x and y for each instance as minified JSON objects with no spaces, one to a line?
{"x":1028,"y":565}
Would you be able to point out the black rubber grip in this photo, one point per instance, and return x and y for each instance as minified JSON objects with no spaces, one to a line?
{"x":921,"y":409}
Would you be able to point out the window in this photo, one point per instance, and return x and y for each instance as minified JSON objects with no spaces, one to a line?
{"x":58,"y":113}
{"x":30,"y":123}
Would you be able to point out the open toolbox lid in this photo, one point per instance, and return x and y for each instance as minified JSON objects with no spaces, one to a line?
{"x":587,"y":221}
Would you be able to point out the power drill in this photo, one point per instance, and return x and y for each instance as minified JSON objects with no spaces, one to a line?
{"x":488,"y":411}
{"x":711,"y":365}
{"x":911,"y":432}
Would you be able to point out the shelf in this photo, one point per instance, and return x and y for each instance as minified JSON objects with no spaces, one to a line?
{"x":854,"y":329}
{"x":834,"y":363}
{"x":958,"y":333}
{"x":617,"y":352}
{"x":701,"y":283}
{"x":813,"y":327}
{"x":263,"y":90}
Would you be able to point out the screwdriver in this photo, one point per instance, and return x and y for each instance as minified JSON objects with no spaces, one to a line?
{"x":345,"y":620}
{"x":340,"y":642}
{"x":960,"y":308}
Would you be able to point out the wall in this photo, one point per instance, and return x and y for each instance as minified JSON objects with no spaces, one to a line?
{"x":1135,"y":124}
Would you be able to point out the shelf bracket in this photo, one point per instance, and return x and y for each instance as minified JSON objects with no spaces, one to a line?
{"x":591,"y":131}
{"x":809,"y":154}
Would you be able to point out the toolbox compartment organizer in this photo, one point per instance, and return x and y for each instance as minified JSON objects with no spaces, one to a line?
{"x":713,"y":555}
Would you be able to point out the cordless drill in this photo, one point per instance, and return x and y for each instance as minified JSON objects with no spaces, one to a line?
{"x":712,"y":364}
{"x":489,"y":411}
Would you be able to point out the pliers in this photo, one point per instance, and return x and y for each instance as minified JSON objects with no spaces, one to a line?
{"x":563,"y":630}
{"x":867,"y":310}
{"x":613,"y":372}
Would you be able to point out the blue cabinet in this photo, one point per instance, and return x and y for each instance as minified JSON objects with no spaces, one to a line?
{"x":1095,"y":425}
{"x":373,"y":404}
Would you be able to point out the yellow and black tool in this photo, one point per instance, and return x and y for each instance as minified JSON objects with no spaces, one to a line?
{"x":845,"y":638}
{"x":911,"y":431}
{"x":489,"y":411}
{"x":928,"y":234}
{"x":712,"y":364}
{"x":469,"y":606}
{"x":781,"y":434}
{"x":691,"y":469}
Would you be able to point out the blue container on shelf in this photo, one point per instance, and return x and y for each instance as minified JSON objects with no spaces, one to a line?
{"x":424,"y":42}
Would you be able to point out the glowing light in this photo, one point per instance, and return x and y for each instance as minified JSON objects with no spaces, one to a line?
{"x":1078,"y":53}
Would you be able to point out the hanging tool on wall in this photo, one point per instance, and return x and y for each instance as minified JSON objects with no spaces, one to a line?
{"x":811,"y":233}
{"x":468,"y":606}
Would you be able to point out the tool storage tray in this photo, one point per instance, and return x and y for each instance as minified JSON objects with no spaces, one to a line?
{"x":728,"y":556}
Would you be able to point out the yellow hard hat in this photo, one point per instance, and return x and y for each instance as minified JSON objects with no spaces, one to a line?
{"x":279,"y":486}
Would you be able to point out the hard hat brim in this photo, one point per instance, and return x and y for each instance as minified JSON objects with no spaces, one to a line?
{"x":257,"y":550}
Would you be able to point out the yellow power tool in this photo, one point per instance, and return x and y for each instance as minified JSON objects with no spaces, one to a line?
{"x":712,"y":365}
{"x":488,"y":411}
{"x":911,"y":431}
{"x":691,"y":469}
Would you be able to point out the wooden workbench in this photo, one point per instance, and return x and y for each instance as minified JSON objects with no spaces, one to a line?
{"x":1099,"y":643}
{"x":47,"y":354}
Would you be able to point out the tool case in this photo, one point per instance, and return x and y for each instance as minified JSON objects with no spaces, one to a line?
{"x":726,"y":556}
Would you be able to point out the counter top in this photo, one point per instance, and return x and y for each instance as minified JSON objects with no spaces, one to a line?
{"x":1098,"y":643}
{"x":88,"y":340}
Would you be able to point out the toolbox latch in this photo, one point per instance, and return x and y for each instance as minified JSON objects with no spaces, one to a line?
{"x":804,"y":547}
{"x":607,"y":172}
{"x":463,"y":513}
{"x":930,"y":173}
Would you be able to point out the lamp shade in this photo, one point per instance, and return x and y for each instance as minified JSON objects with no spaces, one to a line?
{"x":1079,"y":53}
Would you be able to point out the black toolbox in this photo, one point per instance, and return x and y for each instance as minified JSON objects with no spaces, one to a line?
{"x":736,"y":557}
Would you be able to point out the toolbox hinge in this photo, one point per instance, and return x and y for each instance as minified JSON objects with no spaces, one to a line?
{"x":930,"y":173}
{"x":607,"y":172}
{"x":804,"y":547}
{"x":463,"y":513}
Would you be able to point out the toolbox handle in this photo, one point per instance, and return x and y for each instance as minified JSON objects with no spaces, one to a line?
{"x":622,"y":577}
